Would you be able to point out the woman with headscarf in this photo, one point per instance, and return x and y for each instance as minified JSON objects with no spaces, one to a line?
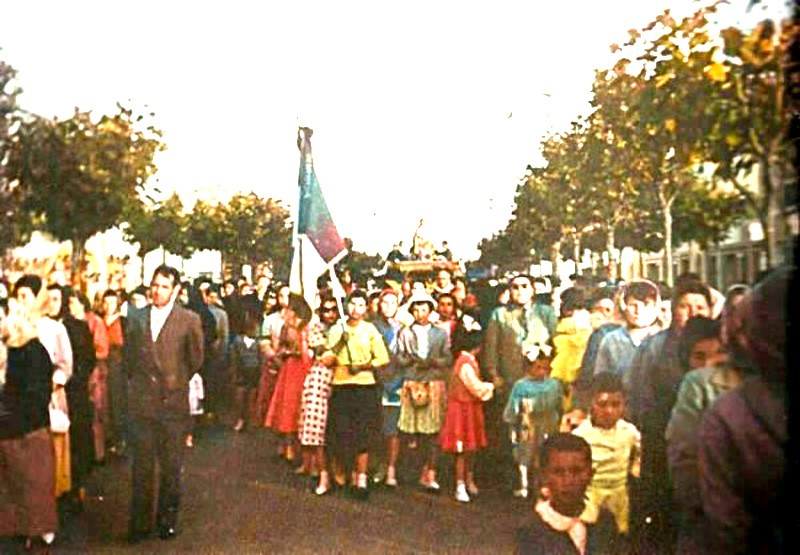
{"x":744,"y":436}
{"x":81,"y":309}
{"x":81,"y":441}
{"x":27,"y":463}
{"x":212,"y":386}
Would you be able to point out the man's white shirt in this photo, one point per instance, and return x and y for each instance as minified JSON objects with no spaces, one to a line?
{"x":157,"y":318}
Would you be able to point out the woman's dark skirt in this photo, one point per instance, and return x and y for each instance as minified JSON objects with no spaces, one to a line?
{"x":27,"y":485}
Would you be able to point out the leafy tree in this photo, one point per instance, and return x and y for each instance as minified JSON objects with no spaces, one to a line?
{"x":246,"y":230}
{"x":702,"y":216}
{"x":530,"y":230}
{"x":78,"y":176}
{"x":495,"y":250}
{"x":750,"y":119}
{"x":205,"y":226}
{"x":10,"y":115}
{"x":671,"y":97}
{"x":159,"y":224}
{"x":709,"y":96}
{"x":611,"y":162}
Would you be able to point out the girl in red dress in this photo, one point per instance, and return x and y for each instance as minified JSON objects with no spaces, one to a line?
{"x":284,"y":408}
{"x":464,"y":432}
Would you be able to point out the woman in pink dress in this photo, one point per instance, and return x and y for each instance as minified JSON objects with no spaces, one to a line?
{"x":284,"y":408}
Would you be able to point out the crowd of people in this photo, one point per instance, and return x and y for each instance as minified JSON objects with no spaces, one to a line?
{"x":636,"y":418}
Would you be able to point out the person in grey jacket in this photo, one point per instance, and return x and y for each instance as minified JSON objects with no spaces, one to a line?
{"x":424,"y":358}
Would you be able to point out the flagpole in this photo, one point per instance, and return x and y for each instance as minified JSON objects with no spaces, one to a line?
{"x":296,"y":242}
{"x":300,"y":139}
{"x":300,"y":266}
{"x":332,"y":274}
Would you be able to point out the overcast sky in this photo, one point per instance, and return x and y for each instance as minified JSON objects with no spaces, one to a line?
{"x":420,"y":109}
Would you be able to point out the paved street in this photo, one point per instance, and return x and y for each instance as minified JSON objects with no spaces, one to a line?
{"x":238,"y":498}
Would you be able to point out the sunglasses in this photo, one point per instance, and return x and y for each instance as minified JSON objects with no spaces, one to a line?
{"x":328,"y":309}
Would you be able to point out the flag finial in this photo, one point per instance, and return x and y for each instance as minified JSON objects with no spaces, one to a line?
{"x":303,"y":132}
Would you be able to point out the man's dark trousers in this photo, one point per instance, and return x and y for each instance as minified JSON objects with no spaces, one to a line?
{"x":156,"y":442}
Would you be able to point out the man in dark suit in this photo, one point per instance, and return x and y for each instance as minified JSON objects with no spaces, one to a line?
{"x":163,"y":349}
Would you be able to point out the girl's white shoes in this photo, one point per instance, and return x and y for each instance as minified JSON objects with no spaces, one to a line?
{"x":461,"y":494}
{"x":391,"y":477}
{"x":324,"y":483}
{"x":428,"y":480}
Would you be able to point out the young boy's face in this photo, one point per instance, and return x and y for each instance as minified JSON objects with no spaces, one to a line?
{"x":607,"y":409}
{"x":640,"y":313}
{"x":605,"y":308}
{"x":539,"y":369}
{"x":706,"y":353}
{"x":567,"y":475}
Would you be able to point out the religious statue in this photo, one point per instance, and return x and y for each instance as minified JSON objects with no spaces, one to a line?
{"x":422,"y":248}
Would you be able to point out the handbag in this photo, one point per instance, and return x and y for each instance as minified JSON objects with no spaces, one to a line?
{"x":419,"y":393}
{"x":59,"y":419}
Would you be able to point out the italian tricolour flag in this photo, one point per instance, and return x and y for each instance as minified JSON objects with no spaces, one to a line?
{"x":317,"y":244}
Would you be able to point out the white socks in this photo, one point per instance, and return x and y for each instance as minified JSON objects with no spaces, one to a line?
{"x":523,"y":482}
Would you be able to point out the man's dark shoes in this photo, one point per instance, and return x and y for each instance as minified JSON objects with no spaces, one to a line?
{"x":137,"y":536}
{"x":167,"y":532}
{"x":166,"y":521}
{"x":359,"y":494}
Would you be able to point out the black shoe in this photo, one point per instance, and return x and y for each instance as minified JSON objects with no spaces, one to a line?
{"x":135,"y":537}
{"x":359,"y":494}
{"x":167,"y":532}
{"x":36,"y":545}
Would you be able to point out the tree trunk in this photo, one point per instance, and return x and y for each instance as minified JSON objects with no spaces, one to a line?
{"x":771,"y":179}
{"x":576,"y":252}
{"x":76,"y":264}
{"x":666,"y":211}
{"x":611,"y":248}
{"x":555,"y":256}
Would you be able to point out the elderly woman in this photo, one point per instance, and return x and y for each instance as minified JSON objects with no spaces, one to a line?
{"x":27,"y":465}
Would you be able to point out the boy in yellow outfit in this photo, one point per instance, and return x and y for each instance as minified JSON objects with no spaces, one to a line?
{"x":572,"y":334}
{"x":616,"y":448}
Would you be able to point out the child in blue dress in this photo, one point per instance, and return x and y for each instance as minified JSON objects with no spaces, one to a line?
{"x":533,"y":411}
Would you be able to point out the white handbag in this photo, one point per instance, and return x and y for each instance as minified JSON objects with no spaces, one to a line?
{"x":59,"y":420}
